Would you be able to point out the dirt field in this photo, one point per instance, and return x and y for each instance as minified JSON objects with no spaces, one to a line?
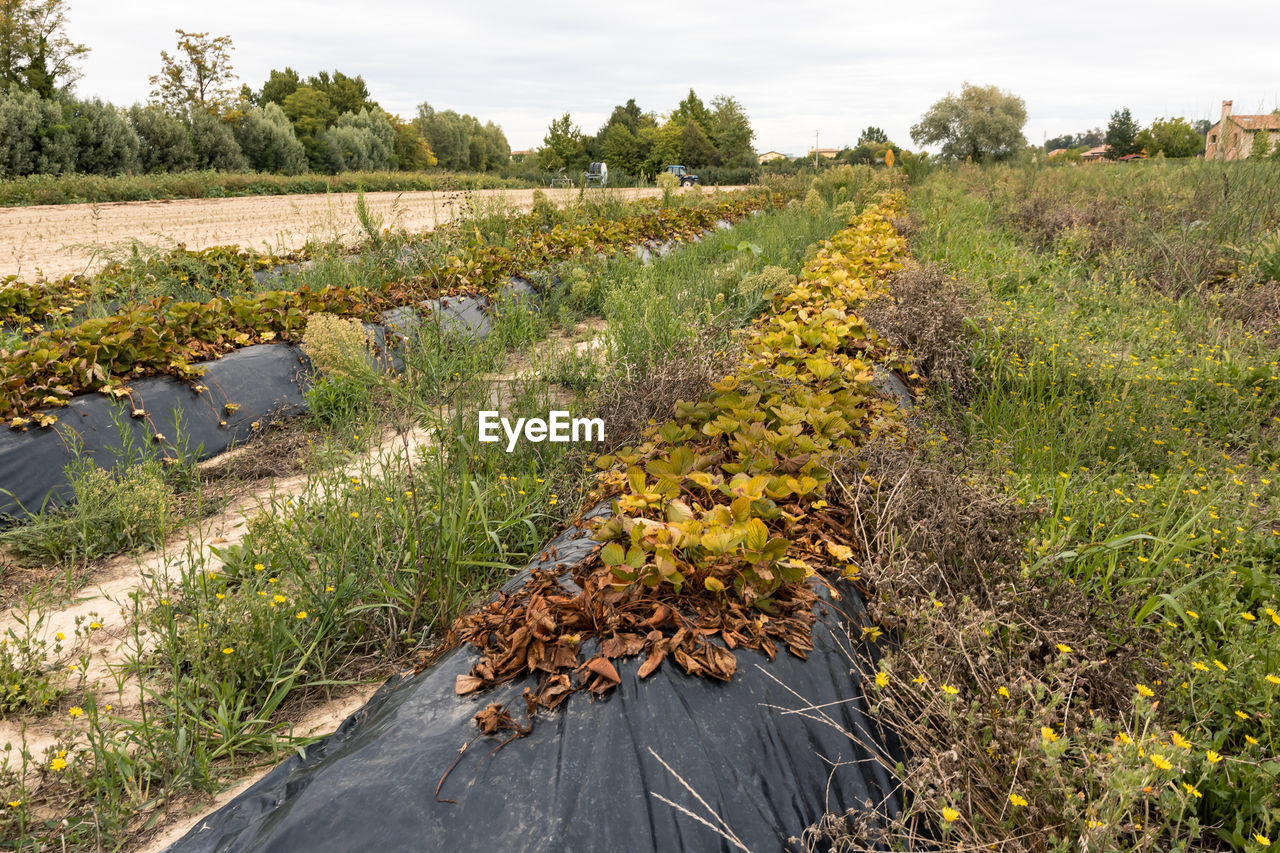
{"x":75,"y":238}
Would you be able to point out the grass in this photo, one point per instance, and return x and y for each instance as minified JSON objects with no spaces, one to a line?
{"x":1115,"y":685}
{"x":364,"y":568}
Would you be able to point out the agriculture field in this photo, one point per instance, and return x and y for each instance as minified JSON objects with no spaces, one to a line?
{"x":55,"y":240}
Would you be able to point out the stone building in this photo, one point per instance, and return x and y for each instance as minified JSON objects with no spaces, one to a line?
{"x":1234,"y":136}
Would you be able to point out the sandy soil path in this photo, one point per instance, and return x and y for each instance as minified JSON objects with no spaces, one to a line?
{"x":75,"y":238}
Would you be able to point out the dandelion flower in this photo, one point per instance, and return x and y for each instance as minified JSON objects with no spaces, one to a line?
{"x":1220,"y":665}
{"x":1191,"y":789}
{"x":949,"y":690}
{"x":1262,"y":839}
{"x":13,"y":804}
{"x":1199,"y":666}
{"x":1193,"y":614}
{"x":59,"y":636}
{"x":1249,"y":617}
{"x":228,"y":650}
{"x":258,"y":567}
{"x":301,"y":614}
{"x":1017,"y":800}
{"x":1145,"y":690}
{"x":1272,"y":678}
{"x":1048,"y":734}
{"x":1242,"y":715}
{"x":1065,"y":649}
{"x":328,"y":589}
{"x":1253,"y":740}
{"x":950,"y":815}
{"x":93,"y":626}
{"x":1179,"y":740}
{"x":76,"y":711}
{"x":58,"y":763}
{"x":882,"y":679}
{"x":1124,"y":738}
{"x":279,"y":599}
{"x":1003,"y":691}
{"x":1160,"y":761}
{"x":355,"y":515}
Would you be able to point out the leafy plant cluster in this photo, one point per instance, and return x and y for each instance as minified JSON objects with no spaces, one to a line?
{"x":719,"y":514}
{"x":168,"y":337}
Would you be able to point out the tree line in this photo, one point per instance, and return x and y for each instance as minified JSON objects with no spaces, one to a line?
{"x":638,"y":142}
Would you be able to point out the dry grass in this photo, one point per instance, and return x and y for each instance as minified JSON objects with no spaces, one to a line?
{"x":924,"y":312}
{"x":947,"y":577}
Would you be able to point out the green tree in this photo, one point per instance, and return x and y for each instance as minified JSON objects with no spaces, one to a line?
{"x":732,"y":134}
{"x":361,"y":142}
{"x":1261,"y":146}
{"x":1122,"y":134}
{"x":214,"y":142}
{"x":413,"y":153}
{"x":562,"y":147}
{"x":35,"y":52}
{"x":279,"y":85}
{"x":692,"y":109}
{"x":347,"y":94}
{"x":35,"y":138}
{"x":982,"y":123}
{"x":311,"y":114}
{"x":620,"y":148}
{"x":200,"y":75}
{"x":1175,"y":137}
{"x":696,"y":149}
{"x":164,"y":142}
{"x":268,"y":141}
{"x":105,"y":142}
{"x":664,"y":146}
{"x":872,"y":134}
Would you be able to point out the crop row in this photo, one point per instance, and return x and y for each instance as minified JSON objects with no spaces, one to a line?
{"x":167,"y":337}
{"x":718,"y":515}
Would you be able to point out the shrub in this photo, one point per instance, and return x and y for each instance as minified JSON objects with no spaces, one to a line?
{"x":33,"y":136}
{"x":338,"y":348}
{"x":105,"y":143}
{"x":363,"y":141}
{"x":163,"y":142}
{"x":813,"y":203}
{"x":266,"y":138}
{"x":214,"y":143}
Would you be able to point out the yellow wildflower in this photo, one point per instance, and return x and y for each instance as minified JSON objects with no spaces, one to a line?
{"x":1160,"y":761}
{"x":1179,"y":740}
{"x":1145,"y":690}
{"x":1048,"y":734}
{"x":1212,"y":757}
{"x":76,"y":711}
{"x":882,"y":679}
{"x":950,"y":815}
{"x":1017,"y":800}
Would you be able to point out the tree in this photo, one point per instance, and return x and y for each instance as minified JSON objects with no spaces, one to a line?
{"x":732,"y":133}
{"x":34,"y":137}
{"x":214,"y":142}
{"x":692,"y":109}
{"x":199,"y":76}
{"x":412,"y":151}
{"x":460,"y":141}
{"x":696,"y":149}
{"x":279,"y":85}
{"x":164,"y":142}
{"x":311,"y":114}
{"x":35,"y":52}
{"x":1174,"y":137}
{"x":105,"y":142}
{"x":872,"y":134}
{"x":620,"y":148}
{"x":347,"y":94}
{"x":983,"y":123}
{"x":1122,"y":134}
{"x":1261,"y":146}
{"x":361,"y":142}
{"x":562,"y":147}
{"x":266,"y":137}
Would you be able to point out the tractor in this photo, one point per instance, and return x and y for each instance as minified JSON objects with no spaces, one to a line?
{"x":683,"y":176}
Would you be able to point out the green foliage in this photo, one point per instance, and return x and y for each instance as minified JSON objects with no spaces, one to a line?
{"x":360,"y":142}
{"x":732,"y":134}
{"x":461,"y":142}
{"x":106,"y":144}
{"x":692,"y":110}
{"x":112,"y":513}
{"x":267,"y":140}
{"x":1122,"y":134}
{"x":198,"y":77}
{"x":312,"y":113}
{"x":1261,"y":146}
{"x":35,"y":53}
{"x":214,"y":142}
{"x":1173,"y":137}
{"x":33,"y":673}
{"x":164,"y":143}
{"x":982,"y":124}
{"x":35,"y":138}
{"x":562,"y":147}
{"x":696,"y":149}
{"x":873,"y":134}
{"x":412,"y":151}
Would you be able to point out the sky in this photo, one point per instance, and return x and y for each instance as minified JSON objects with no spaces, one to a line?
{"x":799,"y":69}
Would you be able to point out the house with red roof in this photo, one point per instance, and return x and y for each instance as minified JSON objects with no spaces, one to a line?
{"x":1234,"y":136}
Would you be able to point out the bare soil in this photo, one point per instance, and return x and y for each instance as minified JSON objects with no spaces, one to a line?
{"x":54,"y":240}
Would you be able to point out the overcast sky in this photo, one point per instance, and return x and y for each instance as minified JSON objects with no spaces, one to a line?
{"x":798,"y":68}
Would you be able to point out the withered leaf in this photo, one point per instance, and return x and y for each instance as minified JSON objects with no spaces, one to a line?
{"x":622,"y":646}
{"x":467,"y":684}
{"x":602,"y":667}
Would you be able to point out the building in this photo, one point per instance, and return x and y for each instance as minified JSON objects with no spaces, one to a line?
{"x":770,"y":156}
{"x":1234,"y":136}
{"x":1096,"y":153}
{"x":1057,"y":152}
{"x":829,"y":153}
